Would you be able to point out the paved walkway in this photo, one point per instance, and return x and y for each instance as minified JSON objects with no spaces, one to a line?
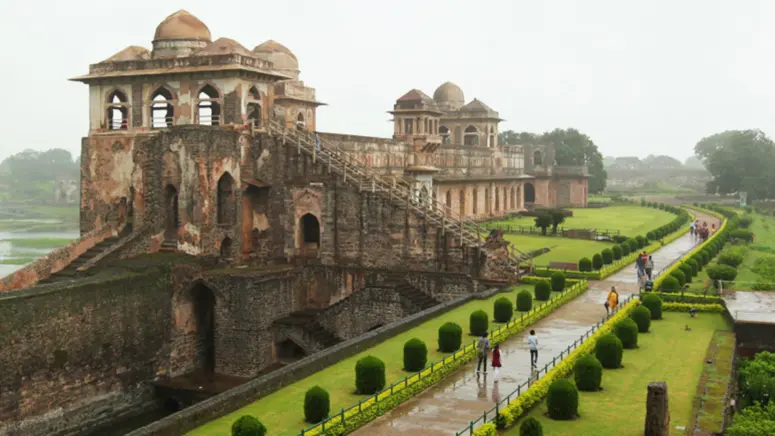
{"x":463,"y":397}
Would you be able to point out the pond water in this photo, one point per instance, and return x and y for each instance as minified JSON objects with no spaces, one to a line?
{"x":22,"y":241}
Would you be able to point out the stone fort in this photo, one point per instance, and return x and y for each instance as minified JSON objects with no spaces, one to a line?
{"x":223,"y":236}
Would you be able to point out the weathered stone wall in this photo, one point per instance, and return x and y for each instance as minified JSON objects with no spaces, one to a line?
{"x":753,"y":337}
{"x":363,"y":311}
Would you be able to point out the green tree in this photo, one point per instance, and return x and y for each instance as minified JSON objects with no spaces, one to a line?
{"x":543,"y":222}
{"x":557,"y":219}
{"x":575,"y":148}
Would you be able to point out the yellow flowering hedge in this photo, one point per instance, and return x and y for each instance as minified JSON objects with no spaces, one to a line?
{"x":684,"y":307}
{"x":375,"y":406}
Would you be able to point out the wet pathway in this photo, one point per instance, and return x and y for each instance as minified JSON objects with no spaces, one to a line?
{"x":464,"y":396}
{"x":754,"y":306}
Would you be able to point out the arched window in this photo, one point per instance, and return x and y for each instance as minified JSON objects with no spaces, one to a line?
{"x":513,"y":197}
{"x":487,"y":200}
{"x":118,"y":111}
{"x":462,"y":202}
{"x":530,"y":193}
{"x":497,"y":199}
{"x":423,"y":195}
{"x":475,"y":200}
{"x":449,"y":198}
{"x":225,"y":251}
{"x":309,"y":226}
{"x":300,"y":123}
{"x":162,"y":109}
{"x":227,"y":213}
{"x":491,"y":140}
{"x":171,"y":218}
{"x":538,"y":158}
{"x":254,"y":107}
{"x":209,"y":107}
{"x":444,"y":132}
{"x":471,"y":136}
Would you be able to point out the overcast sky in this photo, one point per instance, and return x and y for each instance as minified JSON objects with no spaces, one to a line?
{"x":638,"y":77}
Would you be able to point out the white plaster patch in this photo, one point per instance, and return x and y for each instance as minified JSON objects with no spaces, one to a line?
{"x":123,"y":167}
{"x":191,"y":229}
{"x":263,"y":158}
{"x":189,"y":249}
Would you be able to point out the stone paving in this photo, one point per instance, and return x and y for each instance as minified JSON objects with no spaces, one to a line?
{"x":463,"y":397}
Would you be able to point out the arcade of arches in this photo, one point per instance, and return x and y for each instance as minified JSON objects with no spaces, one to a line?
{"x":482,"y":200}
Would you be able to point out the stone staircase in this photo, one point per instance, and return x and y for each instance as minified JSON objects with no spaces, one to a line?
{"x":305,"y":319}
{"x":466,"y":231}
{"x":418,"y":299}
{"x":169,"y":245}
{"x":71,"y":270}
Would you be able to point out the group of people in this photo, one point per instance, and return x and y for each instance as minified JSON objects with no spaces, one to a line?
{"x":483,"y":348}
{"x":644,"y":266}
{"x":700,"y":233}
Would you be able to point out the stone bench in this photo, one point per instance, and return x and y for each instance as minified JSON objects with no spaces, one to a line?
{"x":565,"y":266}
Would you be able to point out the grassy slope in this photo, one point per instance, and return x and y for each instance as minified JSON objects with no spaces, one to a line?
{"x":667,"y":353}
{"x":282,"y":411}
{"x":563,"y":249}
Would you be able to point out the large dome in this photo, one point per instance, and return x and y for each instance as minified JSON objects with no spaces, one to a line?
{"x":182,"y":26}
{"x":449,"y":92}
{"x":283,"y":59}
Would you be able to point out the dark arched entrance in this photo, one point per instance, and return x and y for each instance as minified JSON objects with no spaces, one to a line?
{"x":530,"y":193}
{"x":310,"y":231}
{"x":171,"y":218}
{"x":289,"y":351}
{"x":203,"y":310}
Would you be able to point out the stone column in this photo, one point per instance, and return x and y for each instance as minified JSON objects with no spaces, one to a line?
{"x":657,"y":411}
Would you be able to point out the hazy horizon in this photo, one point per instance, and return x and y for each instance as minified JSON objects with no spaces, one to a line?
{"x":638,"y":79}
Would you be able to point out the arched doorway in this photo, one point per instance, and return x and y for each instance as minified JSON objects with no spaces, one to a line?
{"x":530,"y":193}
{"x":203,"y":305}
{"x":171,"y":218}
{"x":289,"y":351}
{"x":309,"y":228}
{"x":226,"y":213}
{"x":538,"y":158}
{"x":462,"y":202}
{"x":226,"y":246}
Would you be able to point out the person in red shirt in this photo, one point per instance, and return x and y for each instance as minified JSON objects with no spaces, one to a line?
{"x":496,"y":360}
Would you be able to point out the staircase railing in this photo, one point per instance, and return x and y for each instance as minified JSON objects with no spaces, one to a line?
{"x":367,"y":179}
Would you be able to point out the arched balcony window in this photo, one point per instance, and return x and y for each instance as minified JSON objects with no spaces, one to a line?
{"x":300,"y":122}
{"x":444,"y":133}
{"x":471,"y":136}
{"x":209,"y":107}
{"x":254,"y":107}
{"x":162,"y":109}
{"x":118,"y":111}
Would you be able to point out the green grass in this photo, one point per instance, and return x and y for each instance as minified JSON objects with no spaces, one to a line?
{"x":17,"y":260}
{"x":710,"y":416}
{"x":630,"y":220}
{"x":763,"y":228}
{"x":667,"y":353}
{"x":38,"y":242}
{"x":282,"y":411}
{"x":563,"y":249}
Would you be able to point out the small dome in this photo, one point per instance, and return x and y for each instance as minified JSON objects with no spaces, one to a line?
{"x":283,"y":59}
{"x":449,"y":92}
{"x":223,"y":46}
{"x":182,"y":26}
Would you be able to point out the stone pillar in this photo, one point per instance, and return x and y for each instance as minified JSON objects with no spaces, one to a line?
{"x":657,"y":411}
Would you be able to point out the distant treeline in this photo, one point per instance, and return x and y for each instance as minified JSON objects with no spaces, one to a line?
{"x":39,"y":176}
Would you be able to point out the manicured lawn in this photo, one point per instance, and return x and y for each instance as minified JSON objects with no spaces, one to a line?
{"x":282,"y":411}
{"x":38,"y":242}
{"x":562,"y":249}
{"x":630,"y":220}
{"x":667,"y":353}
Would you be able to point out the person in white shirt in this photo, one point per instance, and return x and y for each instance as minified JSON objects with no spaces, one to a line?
{"x":532,"y":342}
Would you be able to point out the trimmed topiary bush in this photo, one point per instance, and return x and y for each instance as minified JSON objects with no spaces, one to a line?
{"x":585,"y":264}
{"x":562,"y":400}
{"x":642,"y":317}
{"x":744,"y":235}
{"x":369,"y":375}
{"x":248,"y":425}
{"x":627,"y":331}
{"x":543,"y":290}
{"x":503,"y":310}
{"x":654,"y":305}
{"x":588,"y":373}
{"x":450,"y":337}
{"x":415,"y":355}
{"x":721,"y":272}
{"x":617,"y":250}
{"x":609,"y":350}
{"x":524,"y":301}
{"x":531,"y":427}
{"x":597,"y":261}
{"x":608,"y":256}
{"x":730,"y":258}
{"x":679,"y":275}
{"x":692,"y":262}
{"x":641,"y":241}
{"x":650,"y":236}
{"x":317,"y":404}
{"x":478,"y":323}
{"x":670,"y":284}
{"x":633,"y":245}
{"x":625,"y":249}
{"x":705,"y":257}
{"x":686,"y":269}
{"x":558,"y":282}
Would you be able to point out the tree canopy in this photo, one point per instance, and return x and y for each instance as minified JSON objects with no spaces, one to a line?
{"x":30,"y":175}
{"x":739,"y":160}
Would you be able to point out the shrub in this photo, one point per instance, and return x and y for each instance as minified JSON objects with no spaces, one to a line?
{"x":670,"y":284}
{"x":641,"y":241}
{"x":642,"y":317}
{"x":679,"y":275}
{"x":531,"y":427}
{"x":619,"y":238}
{"x":450,"y":337}
{"x":633,"y":245}
{"x":744,"y":235}
{"x":705,"y":257}
{"x":558,"y":282}
{"x":588,"y":373}
{"x":478,"y":323}
{"x":730,"y":258}
{"x":692,"y":262}
{"x":617,"y":250}
{"x":585,"y":264}
{"x":317,"y":404}
{"x":625,"y":249}
{"x":562,"y":400}
{"x":609,"y":350}
{"x":524,"y":301}
{"x":415,"y":354}
{"x":503,"y":310}
{"x":248,"y":425}
{"x":686,"y":269}
{"x":597,"y":261}
{"x":369,"y":375}
{"x":721,"y":272}
{"x":543,"y":290}
{"x":745,"y":222}
{"x":608,"y":256}
{"x":654,"y":305}
{"x":627,"y":331}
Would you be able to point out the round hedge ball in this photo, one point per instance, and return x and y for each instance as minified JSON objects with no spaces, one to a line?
{"x":369,"y":375}
{"x":415,"y":355}
{"x":524,"y":301}
{"x":562,"y":400}
{"x":531,"y":427}
{"x":248,"y":425}
{"x":642,"y":317}
{"x":670,"y":284}
{"x":558,"y":281}
{"x":450,"y":337}
{"x":654,"y":304}
{"x":627,"y":331}
{"x":478,"y":323}
{"x":316,"y":405}
{"x":503,"y":310}
{"x":609,"y":350}
{"x":687,"y":270}
{"x":679,"y":275}
{"x":588,"y":373}
{"x":543,"y":290}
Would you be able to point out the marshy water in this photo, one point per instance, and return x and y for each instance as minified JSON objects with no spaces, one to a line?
{"x":22,"y":240}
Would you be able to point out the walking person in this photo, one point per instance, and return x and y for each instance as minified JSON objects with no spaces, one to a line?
{"x":483,"y":348}
{"x":496,"y":360}
{"x":613,"y":299}
{"x":691,"y":229}
{"x":532,"y":342}
{"x":649,"y":267}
